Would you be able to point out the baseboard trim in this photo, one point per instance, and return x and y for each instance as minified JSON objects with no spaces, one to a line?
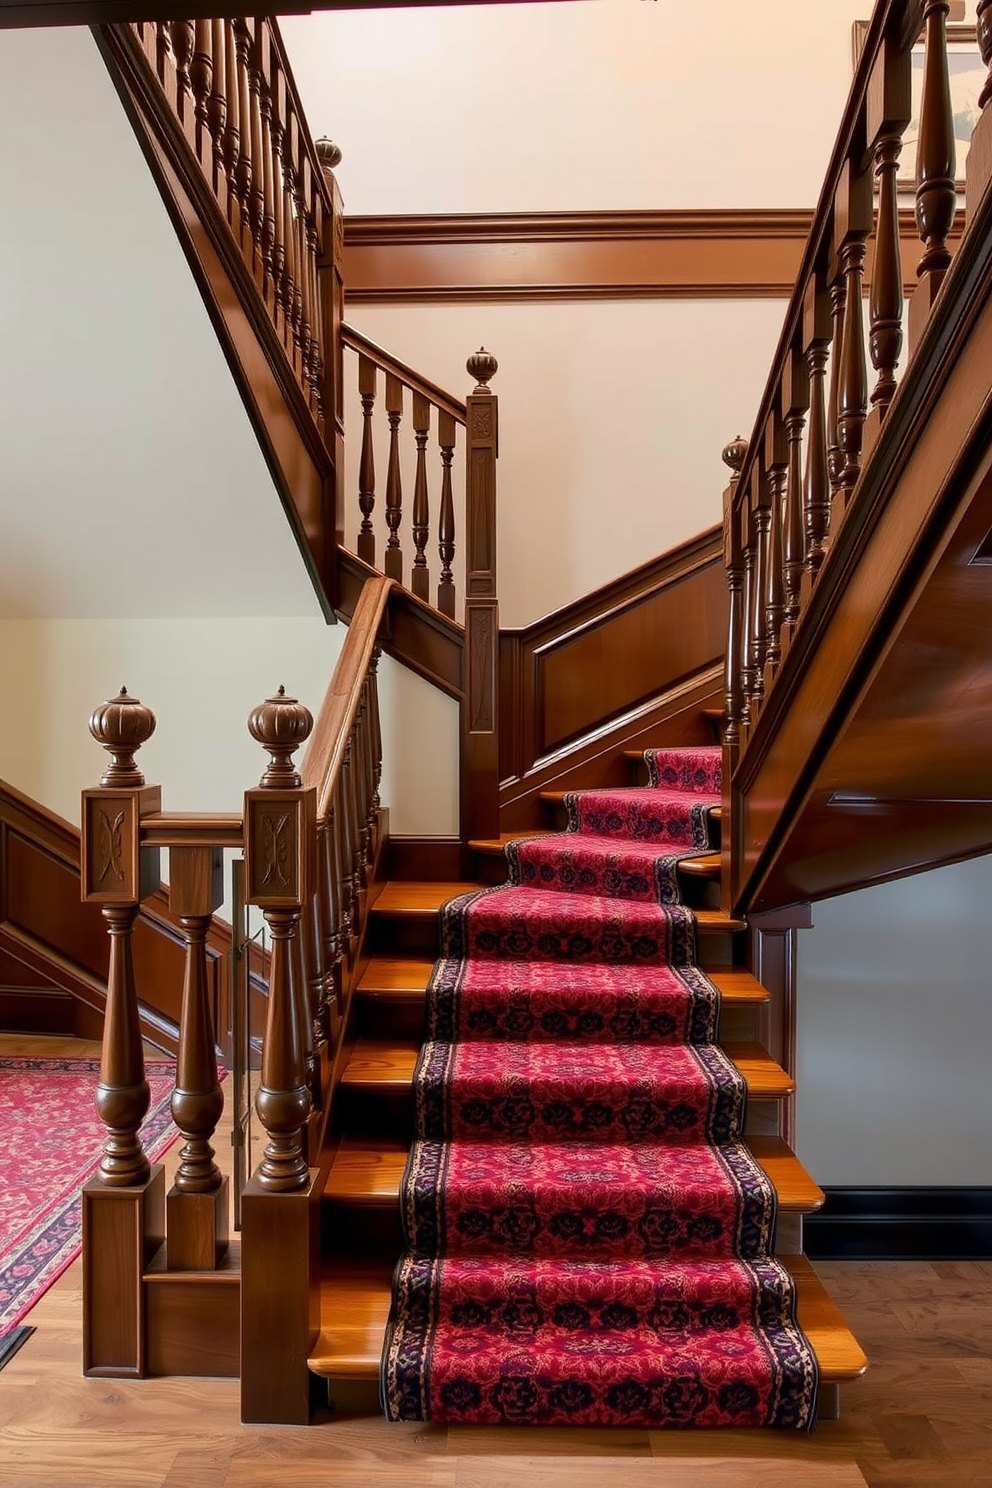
{"x":901,"y":1224}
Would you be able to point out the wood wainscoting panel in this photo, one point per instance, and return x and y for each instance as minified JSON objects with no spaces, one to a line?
{"x":703,"y":254}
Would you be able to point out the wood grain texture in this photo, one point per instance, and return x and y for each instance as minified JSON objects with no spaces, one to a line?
{"x":750,"y":253}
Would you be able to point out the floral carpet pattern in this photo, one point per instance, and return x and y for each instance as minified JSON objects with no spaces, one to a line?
{"x":588,"y":1238}
{"x":51,"y":1140}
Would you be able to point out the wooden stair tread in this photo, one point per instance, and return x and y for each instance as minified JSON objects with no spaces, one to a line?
{"x":368,"y":1172}
{"x":388,"y":1065}
{"x":495,"y":845}
{"x":706,"y":865}
{"x":406,"y":977}
{"x":417,"y":898}
{"x":354,"y":1308}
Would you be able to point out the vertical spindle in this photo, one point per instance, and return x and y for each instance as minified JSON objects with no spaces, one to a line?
{"x":420,"y":577}
{"x":733,"y":457}
{"x":852,"y":220}
{"x":245,"y":168}
{"x":795,"y":401}
{"x":747,"y":614}
{"x":760,"y":516}
{"x":394,"y":480}
{"x":446,"y":515}
{"x":889,"y":108}
{"x":197,"y":1203}
{"x":776,"y":461}
{"x":201,"y":73}
{"x":232,"y":127}
{"x":838,"y":305}
{"x":217,"y":107}
{"x":818,"y":312}
{"x":182,"y":36}
{"x":367,"y":377}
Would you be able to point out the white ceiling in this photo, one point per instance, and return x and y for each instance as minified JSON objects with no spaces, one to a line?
{"x":131,"y":484}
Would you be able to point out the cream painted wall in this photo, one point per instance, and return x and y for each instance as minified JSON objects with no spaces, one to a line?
{"x":201,"y":678}
{"x":609,"y":452}
{"x":566,"y":107}
{"x":895,"y":1028}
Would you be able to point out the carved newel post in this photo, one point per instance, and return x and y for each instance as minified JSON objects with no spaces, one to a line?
{"x":480,"y":736}
{"x":280,"y":843}
{"x":280,"y":1244}
{"x":123,"y":1206}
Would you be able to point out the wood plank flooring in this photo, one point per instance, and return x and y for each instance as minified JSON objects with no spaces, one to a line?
{"x":920,"y":1418}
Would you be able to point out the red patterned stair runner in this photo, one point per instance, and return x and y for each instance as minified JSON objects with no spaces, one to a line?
{"x":587,"y":1236}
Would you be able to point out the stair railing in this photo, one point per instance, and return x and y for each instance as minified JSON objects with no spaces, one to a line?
{"x":794,"y":481}
{"x":312,"y":840}
{"x":462,"y":531}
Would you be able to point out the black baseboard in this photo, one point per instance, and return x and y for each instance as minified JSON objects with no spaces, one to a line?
{"x":901,"y":1224}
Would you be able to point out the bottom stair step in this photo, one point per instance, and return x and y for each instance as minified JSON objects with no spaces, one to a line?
{"x":354,"y":1308}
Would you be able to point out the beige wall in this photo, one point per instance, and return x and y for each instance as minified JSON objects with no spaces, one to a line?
{"x":202,"y":677}
{"x":565,"y":107}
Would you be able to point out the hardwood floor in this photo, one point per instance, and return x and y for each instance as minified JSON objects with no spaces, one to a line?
{"x":921,"y":1416}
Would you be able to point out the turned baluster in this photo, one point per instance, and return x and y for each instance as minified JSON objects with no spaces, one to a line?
{"x":420,"y":577}
{"x":853,"y":219}
{"x":331,"y":926}
{"x":838,"y":304}
{"x":268,"y":169}
{"x":183,"y":36}
{"x":341,"y":874}
{"x":889,"y":110}
{"x":795,"y":401}
{"x":817,"y":312}
{"x":936,"y":194}
{"x":446,"y":515}
{"x":197,"y":1202}
{"x":747,"y":616}
{"x":117,"y":873}
{"x":314,"y":362}
{"x":280,"y":841}
{"x":290,"y":266}
{"x":394,"y":480}
{"x":245,"y":167}
{"x":232,"y":129}
{"x":348,"y":861}
{"x":367,"y":377}
{"x":776,"y":460}
{"x":201,"y":73}
{"x":761,"y":522}
{"x":376,"y":744}
{"x":277,"y":129}
{"x":733,"y":457}
{"x":256,"y":192}
{"x":217,"y":102}
{"x":293,"y":237}
{"x":307,"y":322}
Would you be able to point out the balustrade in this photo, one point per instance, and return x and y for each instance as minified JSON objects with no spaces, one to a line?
{"x":227,"y":86}
{"x":417,"y":443}
{"x":817,"y":425}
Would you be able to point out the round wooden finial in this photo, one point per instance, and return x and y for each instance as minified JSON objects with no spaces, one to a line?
{"x":280,"y":725}
{"x":733,"y":454}
{"x":122,"y":725}
{"x":483,"y":366}
{"x":328,"y":153}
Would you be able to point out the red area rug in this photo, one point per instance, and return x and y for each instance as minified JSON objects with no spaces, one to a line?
{"x":51,"y":1140}
{"x":587,"y":1235}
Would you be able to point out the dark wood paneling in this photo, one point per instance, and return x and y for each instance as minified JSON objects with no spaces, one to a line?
{"x":416,"y":634}
{"x":194,"y":1324}
{"x":438,"y":859}
{"x":609,"y":668}
{"x":62,"y":943}
{"x":714,"y":254}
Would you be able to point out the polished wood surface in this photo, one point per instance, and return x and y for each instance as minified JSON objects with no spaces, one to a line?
{"x":917,"y":1419}
{"x":715,"y":254}
{"x":644,"y":634}
{"x":245,"y":188}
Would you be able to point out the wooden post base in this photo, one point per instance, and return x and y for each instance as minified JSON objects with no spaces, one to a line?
{"x":197,"y":1227}
{"x":280,"y":1257}
{"x":122,"y":1230}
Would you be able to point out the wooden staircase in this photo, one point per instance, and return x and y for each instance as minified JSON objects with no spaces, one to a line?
{"x":361,"y":1227}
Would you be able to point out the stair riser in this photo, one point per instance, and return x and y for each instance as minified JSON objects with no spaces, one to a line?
{"x":381,"y":1019}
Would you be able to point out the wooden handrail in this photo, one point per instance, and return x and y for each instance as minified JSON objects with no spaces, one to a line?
{"x":322,"y":762}
{"x":387,"y":362}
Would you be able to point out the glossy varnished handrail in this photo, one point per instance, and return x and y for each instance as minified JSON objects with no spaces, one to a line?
{"x":325,"y":753}
{"x":386,"y":362}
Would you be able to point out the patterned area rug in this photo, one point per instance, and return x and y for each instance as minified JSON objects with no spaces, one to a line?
{"x":51,"y":1140}
{"x":588,"y":1239}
